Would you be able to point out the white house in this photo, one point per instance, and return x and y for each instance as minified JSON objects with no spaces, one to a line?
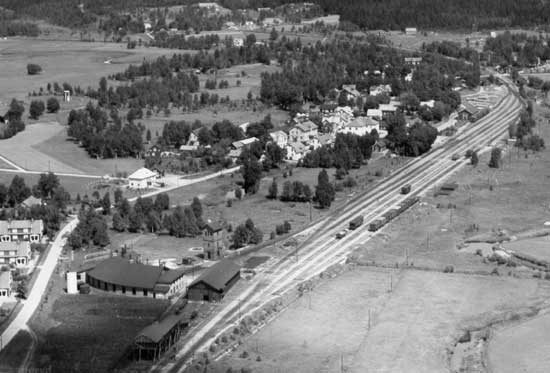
{"x":387,"y":109}
{"x":296,"y":151}
{"x":17,"y":253}
{"x":429,"y":103}
{"x":21,"y":230}
{"x":280,"y":138}
{"x":351,"y":91}
{"x":374,"y":113}
{"x":303,"y":132}
{"x":142,"y":178}
{"x":360,"y":126}
{"x":5,"y":284}
{"x":344,"y":112}
{"x":413,"y":61}
{"x":193,"y":140}
{"x":272,"y":21}
{"x":238,"y":42}
{"x":238,"y":146}
{"x":411,"y":31}
{"x":244,"y":126}
{"x":376,"y":90}
{"x":147,"y":26}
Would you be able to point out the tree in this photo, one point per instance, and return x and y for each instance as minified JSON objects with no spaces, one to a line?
{"x":33,"y":69}
{"x":196,"y":206}
{"x":47,"y":183}
{"x":238,"y":193}
{"x":18,"y":191}
{"x":272,"y":192}
{"x":148,"y":135}
{"x":60,"y":198}
{"x":135,"y":221}
{"x":124,"y":208}
{"x":324,"y":191}
{"x":119,"y":224}
{"x":36,"y":109}
{"x":106,"y":204}
{"x":153,"y":221}
{"x":241,"y":236}
{"x":162,"y":202}
{"x":252,"y":173}
{"x":118,"y":195}
{"x":496,"y":154}
{"x":52,"y":105}
{"x":3,"y":195}
{"x":273,"y":35}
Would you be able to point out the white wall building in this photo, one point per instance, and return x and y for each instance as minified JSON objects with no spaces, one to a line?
{"x":142,"y":179}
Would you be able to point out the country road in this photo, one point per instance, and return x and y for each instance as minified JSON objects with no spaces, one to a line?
{"x":323,"y":250}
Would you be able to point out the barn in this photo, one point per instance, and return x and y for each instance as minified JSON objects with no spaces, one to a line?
{"x":214,"y":282}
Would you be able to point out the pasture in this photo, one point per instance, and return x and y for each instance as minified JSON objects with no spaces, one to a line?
{"x":538,"y":247}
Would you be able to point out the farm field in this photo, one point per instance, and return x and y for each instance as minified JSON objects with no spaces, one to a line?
{"x":15,"y":352}
{"x":433,"y":309}
{"x":90,"y":332}
{"x":536,"y":247}
{"x":78,"y":63}
{"x":521,"y":347}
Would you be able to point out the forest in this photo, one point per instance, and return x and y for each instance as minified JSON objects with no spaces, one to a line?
{"x":509,"y":49}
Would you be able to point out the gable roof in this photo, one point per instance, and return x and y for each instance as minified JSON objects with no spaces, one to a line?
{"x":213,"y":226}
{"x":374,"y":113}
{"x":157,"y":330}
{"x":469,"y":108}
{"x":36,"y":226}
{"x":275,"y":134}
{"x":361,"y":122}
{"x":387,"y":107}
{"x":241,"y":143}
{"x":5,"y":280}
{"x":218,"y":275}
{"x":306,"y":126}
{"x":31,"y":201}
{"x":142,"y":173}
{"x":119,"y":271}
{"x":23,"y":248}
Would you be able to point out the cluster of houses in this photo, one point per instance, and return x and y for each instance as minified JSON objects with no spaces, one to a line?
{"x":16,"y":237}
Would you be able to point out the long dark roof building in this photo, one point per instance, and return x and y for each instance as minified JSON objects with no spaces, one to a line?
{"x":214,"y":282}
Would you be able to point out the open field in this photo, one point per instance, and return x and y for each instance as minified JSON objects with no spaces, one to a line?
{"x":536,"y":247}
{"x":14,"y":353}
{"x":329,"y":329}
{"x":73,"y":185}
{"x":432,"y":309}
{"x":78,"y":63}
{"x":521,"y":348}
{"x":89,"y":333}
{"x":400,"y":40}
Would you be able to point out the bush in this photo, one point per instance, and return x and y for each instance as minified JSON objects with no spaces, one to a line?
{"x":279,"y":229}
{"x":52,"y":105}
{"x":36,"y":109}
{"x":495,"y":272}
{"x":244,"y":355}
{"x":449,"y":269}
{"x":33,"y":69}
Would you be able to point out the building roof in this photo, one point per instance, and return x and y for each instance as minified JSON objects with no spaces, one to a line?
{"x":298,"y":147}
{"x":469,"y":108}
{"x":276,"y":134}
{"x":142,"y":174}
{"x":5,"y":279}
{"x":374,"y":113}
{"x":169,"y":276}
{"x":157,"y":330}
{"x":413,"y":59}
{"x":306,"y":126}
{"x":218,"y":275}
{"x":241,"y":143}
{"x":362,"y":122}
{"x":387,"y":107}
{"x":31,"y":201}
{"x":121,"y":272}
{"x":213,"y":226}
{"x":23,"y":248}
{"x":351,"y":88}
{"x":36,"y":226}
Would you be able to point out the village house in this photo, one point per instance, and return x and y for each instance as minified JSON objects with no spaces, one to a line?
{"x":153,"y":152}
{"x":214,"y":283}
{"x":193,"y":139}
{"x":345,"y":113}
{"x":303,"y":132}
{"x":360,"y":126}
{"x":21,"y":230}
{"x":31,"y":201}
{"x":413,"y":61}
{"x":271,"y":21}
{"x":410,"y":31}
{"x":244,"y":126}
{"x":238,"y":42}
{"x":387,"y":109}
{"x":280,"y":138}
{"x":296,"y":151}
{"x":351,"y":91}
{"x":376,"y":90}
{"x":238,"y":146}
{"x":213,"y":235}
{"x":142,"y":178}
{"x":17,"y":253}
{"x":429,"y":103}
{"x":374,"y":114}
{"x":5,"y":284}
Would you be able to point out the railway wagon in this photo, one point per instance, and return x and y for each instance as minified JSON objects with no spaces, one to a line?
{"x":356,"y":222}
{"x":376,"y":225}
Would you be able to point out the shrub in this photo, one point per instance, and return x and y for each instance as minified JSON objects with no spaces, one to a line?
{"x":258,"y":358}
{"x":449,"y":269}
{"x":495,"y":272}
{"x":272,"y":235}
{"x":36,"y":109}
{"x":238,"y":193}
{"x":229,"y":202}
{"x":244,"y":355}
{"x":33,"y":69}
{"x":279,"y":229}
{"x":52,"y":105}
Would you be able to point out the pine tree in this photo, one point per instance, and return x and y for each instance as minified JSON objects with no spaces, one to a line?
{"x":272,"y":193}
{"x":106,"y":204}
{"x":119,"y":224}
{"x":324,"y":191}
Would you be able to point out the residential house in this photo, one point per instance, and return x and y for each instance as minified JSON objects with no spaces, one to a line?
{"x":429,"y":103}
{"x":17,"y":253}
{"x":214,"y":283}
{"x":280,"y":138}
{"x":351,"y":91}
{"x":387,"y":109}
{"x":326,"y":139}
{"x":413,"y":61}
{"x":193,"y":139}
{"x":360,"y":126}
{"x":345,"y":113}
{"x":21,"y":230}
{"x":296,"y":151}
{"x":272,"y":21}
{"x":31,"y":201}
{"x":213,"y":235}
{"x":5,"y":284}
{"x":153,"y":152}
{"x":467,"y":111}
{"x":238,"y":42}
{"x":142,"y":179}
{"x":380,"y":89}
{"x":374,"y":114}
{"x":147,"y":26}
{"x":303,"y":132}
{"x":244,"y":126}
{"x":379,"y":146}
{"x":410,"y":31}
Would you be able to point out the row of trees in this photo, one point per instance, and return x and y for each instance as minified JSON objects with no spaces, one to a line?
{"x":413,"y":141}
{"x":14,"y":117}
{"x":18,"y":28}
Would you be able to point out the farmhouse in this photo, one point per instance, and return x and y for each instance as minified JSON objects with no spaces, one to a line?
{"x":411,"y":31}
{"x":5,"y":284}
{"x":374,"y":113}
{"x":351,"y":91}
{"x":360,"y":126}
{"x":413,"y":61}
{"x":302,"y":132}
{"x":21,"y":230}
{"x":387,"y":109}
{"x":123,"y":277}
{"x":280,"y":138}
{"x":214,"y":282}
{"x":31,"y":201}
{"x":17,"y":253}
{"x":213,"y":235}
{"x":142,"y":178}
{"x":467,"y":111}
{"x":238,"y":146}
{"x":159,"y":337}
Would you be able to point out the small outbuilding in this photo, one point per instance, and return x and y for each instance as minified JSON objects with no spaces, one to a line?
{"x":214,"y":282}
{"x":159,"y":337}
{"x":5,"y":284}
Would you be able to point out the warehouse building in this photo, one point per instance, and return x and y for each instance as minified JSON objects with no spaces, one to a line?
{"x":214,"y":282}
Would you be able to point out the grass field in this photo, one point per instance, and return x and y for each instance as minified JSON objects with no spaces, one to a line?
{"x":521,"y":348}
{"x":89,"y":333}
{"x":536,"y":247}
{"x":73,"y":185}
{"x":14,"y":353}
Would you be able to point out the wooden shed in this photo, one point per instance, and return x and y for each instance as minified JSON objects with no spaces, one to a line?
{"x":214,"y":282}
